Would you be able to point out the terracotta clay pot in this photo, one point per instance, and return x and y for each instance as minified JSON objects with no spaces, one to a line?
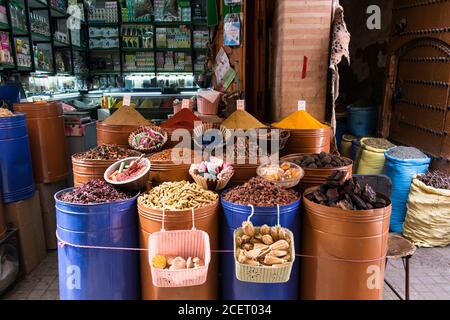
{"x":3,"y":227}
{"x":206,"y":219}
{"x":45,"y":126}
{"x":316,"y":177}
{"x":308,"y":141}
{"x":349,"y":250}
{"x":164,"y":171}
{"x":242,"y":173}
{"x":86,"y":170}
{"x":111,"y":134}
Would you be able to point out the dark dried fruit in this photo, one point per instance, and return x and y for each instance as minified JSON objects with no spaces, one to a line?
{"x":436,"y":179}
{"x":107,"y":152}
{"x":322,"y":160}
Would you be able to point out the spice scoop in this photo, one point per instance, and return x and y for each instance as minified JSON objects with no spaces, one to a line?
{"x":129,"y":174}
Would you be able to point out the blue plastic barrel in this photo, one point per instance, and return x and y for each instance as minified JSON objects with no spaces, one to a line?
{"x":232,"y":288}
{"x":98,"y":274}
{"x":401,"y":172}
{"x":362,"y":121}
{"x":16,"y":172}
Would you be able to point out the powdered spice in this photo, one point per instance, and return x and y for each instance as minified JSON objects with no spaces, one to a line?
{"x":241,"y":119}
{"x":126,"y":116}
{"x":184,"y":119}
{"x":299,"y":120}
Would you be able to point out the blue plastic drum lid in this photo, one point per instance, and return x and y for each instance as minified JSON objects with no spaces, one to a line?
{"x":98,"y":274}
{"x":362,"y":121}
{"x":401,"y":172}
{"x":233,"y":216}
{"x":16,"y":173}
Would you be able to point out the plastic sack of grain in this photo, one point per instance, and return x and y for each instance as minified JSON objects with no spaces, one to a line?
{"x":401,"y":172}
{"x":427,"y":222}
{"x":371,"y":159}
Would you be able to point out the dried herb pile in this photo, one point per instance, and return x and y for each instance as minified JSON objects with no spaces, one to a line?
{"x":106,"y":152}
{"x":436,"y":179}
{"x":346,"y":194}
{"x":261,"y":193}
{"x":94,"y":192}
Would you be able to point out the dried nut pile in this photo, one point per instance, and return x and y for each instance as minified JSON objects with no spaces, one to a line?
{"x":6,"y":113}
{"x":173,"y":155}
{"x":263,"y":246}
{"x":94,"y":192}
{"x":346,"y":194}
{"x":322,"y":161}
{"x":176,"y":263}
{"x":106,"y":152}
{"x":177,"y":196}
{"x":261,"y":193}
{"x":284,"y":172}
{"x":436,"y":179}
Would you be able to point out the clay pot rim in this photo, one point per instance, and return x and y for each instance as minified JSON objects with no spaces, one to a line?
{"x":359,"y":215}
{"x":293,"y":156}
{"x":143,"y":210}
{"x":101,"y":124}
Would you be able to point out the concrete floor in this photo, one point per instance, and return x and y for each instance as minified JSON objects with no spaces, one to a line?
{"x":430,"y":278}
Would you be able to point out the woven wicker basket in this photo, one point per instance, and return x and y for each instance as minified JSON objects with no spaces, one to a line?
{"x":207,"y":184}
{"x":200,"y":130}
{"x":283,"y":133}
{"x":159,"y":130}
{"x":264,"y":274}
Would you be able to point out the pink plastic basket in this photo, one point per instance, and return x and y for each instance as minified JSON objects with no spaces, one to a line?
{"x":183,"y":243}
{"x":208,"y":102}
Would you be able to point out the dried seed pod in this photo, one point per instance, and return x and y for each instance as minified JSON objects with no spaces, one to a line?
{"x":239,"y":241}
{"x":282,"y":234}
{"x":241,"y":257}
{"x":245,"y":239}
{"x":260,"y":246}
{"x":252,"y":262}
{"x":198,"y":262}
{"x":273,"y":260}
{"x":189,"y":263}
{"x":178,"y":263}
{"x":255,"y":241}
{"x":265,"y":229}
{"x":280,"y":245}
{"x":267,"y":239}
{"x":258,"y":236}
{"x":274,"y":233}
{"x":278,"y":253}
{"x":170,"y":260}
{"x":247,"y":227}
{"x":252,"y":254}
{"x":248,"y":246}
{"x":286,"y":258}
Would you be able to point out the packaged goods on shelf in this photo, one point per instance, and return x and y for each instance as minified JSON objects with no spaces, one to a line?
{"x":18,"y":16}
{"x":167,"y":11}
{"x":139,"y":61}
{"x":107,"y":14}
{"x":201,"y":39}
{"x":58,"y":4}
{"x":5,"y":48}
{"x":3,"y":16}
{"x":173,"y":38}
{"x":39,"y":24}
{"x":23,"y":54}
{"x":42,"y":58}
{"x":137,"y":36}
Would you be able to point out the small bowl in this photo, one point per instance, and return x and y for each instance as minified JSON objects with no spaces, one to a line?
{"x":286,"y":184}
{"x":135,"y":184}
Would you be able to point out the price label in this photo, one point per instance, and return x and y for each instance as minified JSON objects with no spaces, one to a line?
{"x":240,"y":105}
{"x":185,"y":104}
{"x":126,"y":100}
{"x":301,"y":105}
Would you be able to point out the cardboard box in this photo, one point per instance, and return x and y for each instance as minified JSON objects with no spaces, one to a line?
{"x":46,"y":196}
{"x":26,"y":216}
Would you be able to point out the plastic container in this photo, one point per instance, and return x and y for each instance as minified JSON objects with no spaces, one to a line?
{"x":370,"y":159}
{"x":45,"y":126}
{"x":308,"y":141}
{"x":206,"y":219}
{"x":402,"y":172}
{"x":348,"y":250}
{"x":362,"y":121}
{"x":316,"y":177}
{"x":97,"y":274}
{"x":136,"y":183}
{"x":111,"y":134}
{"x":269,"y":168}
{"x":232,"y":288}
{"x":16,"y":173}
{"x":208,"y":102}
